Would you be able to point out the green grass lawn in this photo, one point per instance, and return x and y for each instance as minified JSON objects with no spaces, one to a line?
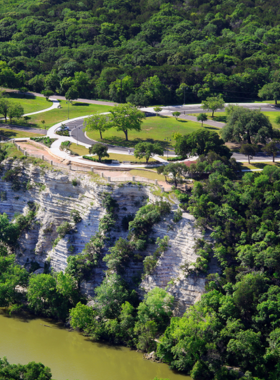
{"x":149,"y":175}
{"x":222,"y":117}
{"x":154,"y":129}
{"x":79,"y":149}
{"x":57,"y":115}
{"x":29,"y":103}
{"x":12,"y":134}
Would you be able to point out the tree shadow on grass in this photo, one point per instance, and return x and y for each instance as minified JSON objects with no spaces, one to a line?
{"x":14,"y":95}
{"x":119,"y":141}
{"x":262,"y":165}
{"x":5,"y":135}
{"x":80,"y":104}
{"x":213,"y":128}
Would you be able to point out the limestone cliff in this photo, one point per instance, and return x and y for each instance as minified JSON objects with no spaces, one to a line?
{"x":56,"y":193}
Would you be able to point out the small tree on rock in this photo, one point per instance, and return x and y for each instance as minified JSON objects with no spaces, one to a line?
{"x":146,"y":149}
{"x":202,"y":117}
{"x":100,"y":150}
{"x":248,"y":150}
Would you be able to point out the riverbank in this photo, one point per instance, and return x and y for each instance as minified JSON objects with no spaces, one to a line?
{"x":70,"y":355}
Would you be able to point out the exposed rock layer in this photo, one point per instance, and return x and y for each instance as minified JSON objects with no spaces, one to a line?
{"x":56,"y":196}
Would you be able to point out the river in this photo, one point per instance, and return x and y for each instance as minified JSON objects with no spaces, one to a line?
{"x":71,"y":356}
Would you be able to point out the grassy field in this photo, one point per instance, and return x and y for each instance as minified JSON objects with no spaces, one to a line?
{"x":79,"y":149}
{"x":258,"y":165}
{"x":12,"y":134}
{"x":29,"y":103}
{"x":149,"y":175}
{"x":221,"y":116}
{"x":83,"y":151}
{"x":57,"y":115}
{"x":154,"y":129}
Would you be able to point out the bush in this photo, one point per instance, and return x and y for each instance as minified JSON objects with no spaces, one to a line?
{"x":63,"y":229}
{"x":74,"y":182}
{"x":75,"y":216}
{"x":44,"y":140}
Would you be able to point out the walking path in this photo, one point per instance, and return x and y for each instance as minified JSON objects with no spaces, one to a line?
{"x":76,"y":130}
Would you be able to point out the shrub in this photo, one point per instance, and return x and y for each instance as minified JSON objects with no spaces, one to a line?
{"x":75,"y":216}
{"x":63,"y":229}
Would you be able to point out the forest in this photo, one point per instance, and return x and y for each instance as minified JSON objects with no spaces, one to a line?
{"x":146,"y":52}
{"x":233,"y":332}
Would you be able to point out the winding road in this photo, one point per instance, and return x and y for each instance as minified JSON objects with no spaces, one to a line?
{"x":77,"y":134}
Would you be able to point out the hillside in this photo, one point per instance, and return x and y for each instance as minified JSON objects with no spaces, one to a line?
{"x":223,"y":46}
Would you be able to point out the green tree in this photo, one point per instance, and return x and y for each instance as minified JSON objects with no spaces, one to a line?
{"x":277,"y":119}
{"x":98,"y":123}
{"x":157,"y":109}
{"x":270,"y":91}
{"x":271,"y":148}
{"x":247,"y":125}
{"x":100,"y":149}
{"x":201,"y":142}
{"x":110,"y":295}
{"x":4,"y":107}
{"x":146,"y":149}
{"x":176,"y":114}
{"x":72,"y":94}
{"x":30,"y":371}
{"x":47,"y":93}
{"x":213,"y":103}
{"x":202,"y":117}
{"x":121,"y":88}
{"x":176,"y":171}
{"x":81,"y":317}
{"x":15,"y":110}
{"x":126,"y":117}
{"x":9,"y":232}
{"x":119,"y":256}
{"x":248,"y":150}
{"x":11,"y":275}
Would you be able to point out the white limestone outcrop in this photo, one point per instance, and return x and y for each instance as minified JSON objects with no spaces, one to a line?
{"x":55,"y":195}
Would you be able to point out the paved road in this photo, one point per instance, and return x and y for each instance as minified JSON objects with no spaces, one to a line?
{"x":196,"y":108}
{"x":101,"y":103}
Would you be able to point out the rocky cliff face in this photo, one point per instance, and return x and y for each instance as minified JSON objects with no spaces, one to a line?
{"x":55,"y":195}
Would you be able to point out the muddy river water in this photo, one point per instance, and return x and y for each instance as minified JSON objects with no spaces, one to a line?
{"x":71,"y":356}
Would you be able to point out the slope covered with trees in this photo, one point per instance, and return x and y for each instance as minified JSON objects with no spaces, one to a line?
{"x":110,"y":49}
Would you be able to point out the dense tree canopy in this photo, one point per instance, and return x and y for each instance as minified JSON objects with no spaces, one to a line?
{"x":247,"y":125}
{"x":152,"y":52}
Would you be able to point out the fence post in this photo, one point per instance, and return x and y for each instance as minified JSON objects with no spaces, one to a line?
{"x":43,"y":157}
{"x":51,"y":162}
{"x":25,"y":153}
{"x":109,"y":179}
{"x":102,"y":175}
{"x":92,"y":170}
{"x":70,"y":167}
{"x":156,"y":182}
{"x":133,"y":179}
